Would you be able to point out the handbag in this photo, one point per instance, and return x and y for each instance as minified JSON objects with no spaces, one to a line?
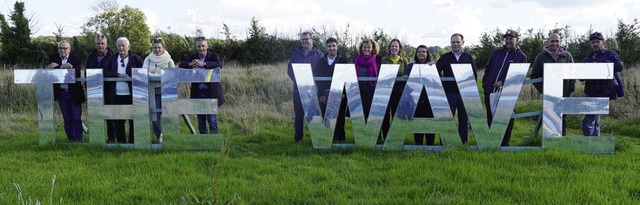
{"x":493,"y":99}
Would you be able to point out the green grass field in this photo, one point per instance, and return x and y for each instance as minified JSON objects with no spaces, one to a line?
{"x":260,"y":164}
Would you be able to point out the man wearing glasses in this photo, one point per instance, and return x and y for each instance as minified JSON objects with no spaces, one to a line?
{"x":119,"y":93}
{"x":306,"y":53}
{"x":204,"y":58}
{"x":69,"y":96}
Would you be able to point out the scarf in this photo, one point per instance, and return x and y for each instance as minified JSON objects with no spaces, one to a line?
{"x":370,"y":63}
{"x":557,"y":54}
{"x":394,"y":59}
{"x":158,"y":62}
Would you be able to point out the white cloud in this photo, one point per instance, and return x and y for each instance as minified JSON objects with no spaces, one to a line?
{"x":152,"y":19}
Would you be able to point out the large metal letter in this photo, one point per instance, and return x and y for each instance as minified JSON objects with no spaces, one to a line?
{"x":344,"y":77}
{"x":98,"y":112}
{"x":172,"y":107}
{"x":489,"y":138}
{"x":44,"y":80}
{"x":442,"y":123}
{"x":555,"y":105}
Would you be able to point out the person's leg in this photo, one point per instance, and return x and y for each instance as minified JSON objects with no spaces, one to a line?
{"x":213,"y":123}
{"x":298,"y":122}
{"x":76,"y":119}
{"x":430,"y":139}
{"x":596,"y":126}
{"x":588,"y":125}
{"x":156,"y":124}
{"x":339,"y":133}
{"x":507,"y":134}
{"x":487,"y":106}
{"x":202,"y":124}
{"x":564,"y":125}
{"x":65,"y":103}
{"x":418,"y":138}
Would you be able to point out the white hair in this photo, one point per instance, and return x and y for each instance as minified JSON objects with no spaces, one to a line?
{"x":122,"y":39}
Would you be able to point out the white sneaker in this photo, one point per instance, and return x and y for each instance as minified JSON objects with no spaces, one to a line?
{"x":160,"y":139}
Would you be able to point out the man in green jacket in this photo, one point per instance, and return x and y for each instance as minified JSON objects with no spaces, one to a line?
{"x":553,"y":52}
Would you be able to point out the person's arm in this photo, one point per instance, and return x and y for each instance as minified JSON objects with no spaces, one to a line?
{"x":537,"y":72}
{"x":171,"y":64}
{"x":617,"y":62}
{"x":185,"y":63}
{"x":212,"y":61}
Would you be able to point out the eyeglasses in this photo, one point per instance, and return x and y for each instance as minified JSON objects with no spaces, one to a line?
{"x":122,"y":61}
{"x":63,"y":48}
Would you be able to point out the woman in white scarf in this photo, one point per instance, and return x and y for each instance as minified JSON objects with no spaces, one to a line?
{"x":154,"y":62}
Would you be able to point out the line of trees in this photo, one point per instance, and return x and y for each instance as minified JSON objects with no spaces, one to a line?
{"x":259,"y":47}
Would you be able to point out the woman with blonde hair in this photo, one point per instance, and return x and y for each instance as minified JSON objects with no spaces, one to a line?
{"x":156,"y":60}
{"x":366,"y":66}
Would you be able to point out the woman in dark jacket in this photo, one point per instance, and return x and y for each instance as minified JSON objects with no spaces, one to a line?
{"x":423,"y":108}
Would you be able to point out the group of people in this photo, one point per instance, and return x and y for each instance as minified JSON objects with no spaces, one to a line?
{"x":367,"y":63}
{"x":118,"y":64}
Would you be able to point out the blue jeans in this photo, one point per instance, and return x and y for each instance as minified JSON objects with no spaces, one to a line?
{"x":591,"y":124}
{"x":204,"y":119}
{"x":202,"y":124}
{"x":71,"y":114}
{"x":157,"y":129}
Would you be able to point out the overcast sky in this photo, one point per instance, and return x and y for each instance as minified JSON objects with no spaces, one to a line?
{"x":428,"y":22}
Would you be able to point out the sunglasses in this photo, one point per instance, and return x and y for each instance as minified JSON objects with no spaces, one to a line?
{"x":99,"y":36}
{"x":122,"y":61}
{"x":158,"y":40}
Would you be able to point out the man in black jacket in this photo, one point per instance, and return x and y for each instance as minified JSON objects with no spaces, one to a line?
{"x":456,"y":56}
{"x":69,"y":96}
{"x":120,"y":93}
{"x":324,"y":68}
{"x":208,"y":60}
{"x":98,"y":57}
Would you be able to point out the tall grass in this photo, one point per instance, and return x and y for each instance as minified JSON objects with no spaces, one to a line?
{"x":260,"y":164}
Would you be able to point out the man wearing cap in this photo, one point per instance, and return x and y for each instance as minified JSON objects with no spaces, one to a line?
{"x":496,"y":72}
{"x":553,"y":52}
{"x":601,"y":88}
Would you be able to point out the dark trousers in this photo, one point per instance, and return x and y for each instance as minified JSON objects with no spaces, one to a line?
{"x":455,"y":103}
{"x":71,"y":114}
{"x":394,"y":100}
{"x":117,"y":130}
{"x":298,"y":122}
{"x":338,"y":134}
{"x":157,"y":129}
{"x":507,"y":134}
{"x":212,"y":120}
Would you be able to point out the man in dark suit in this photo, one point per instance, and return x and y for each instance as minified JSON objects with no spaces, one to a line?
{"x":208,"y":60}
{"x":120,"y":93}
{"x":69,"y":96}
{"x":99,"y":57}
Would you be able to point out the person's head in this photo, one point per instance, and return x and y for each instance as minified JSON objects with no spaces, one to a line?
{"x":597,"y":41}
{"x":158,"y":46}
{"x":64,"y":48}
{"x":202,"y":46}
{"x":101,"y":44}
{"x":422,"y":54}
{"x":553,"y":42}
{"x":457,"y":42}
{"x":306,"y":40}
{"x":332,"y":46}
{"x":395,"y":47}
{"x":510,"y":39}
{"x":368,"y":47}
{"x":123,"y":46}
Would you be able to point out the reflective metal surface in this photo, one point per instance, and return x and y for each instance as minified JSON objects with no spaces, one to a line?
{"x":44,"y":80}
{"x":344,"y":77}
{"x":489,"y":138}
{"x":173,"y":107}
{"x":98,"y":112}
{"x":427,"y":77}
{"x":555,"y":105}
{"x":141,"y":123}
{"x":321,"y":131}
